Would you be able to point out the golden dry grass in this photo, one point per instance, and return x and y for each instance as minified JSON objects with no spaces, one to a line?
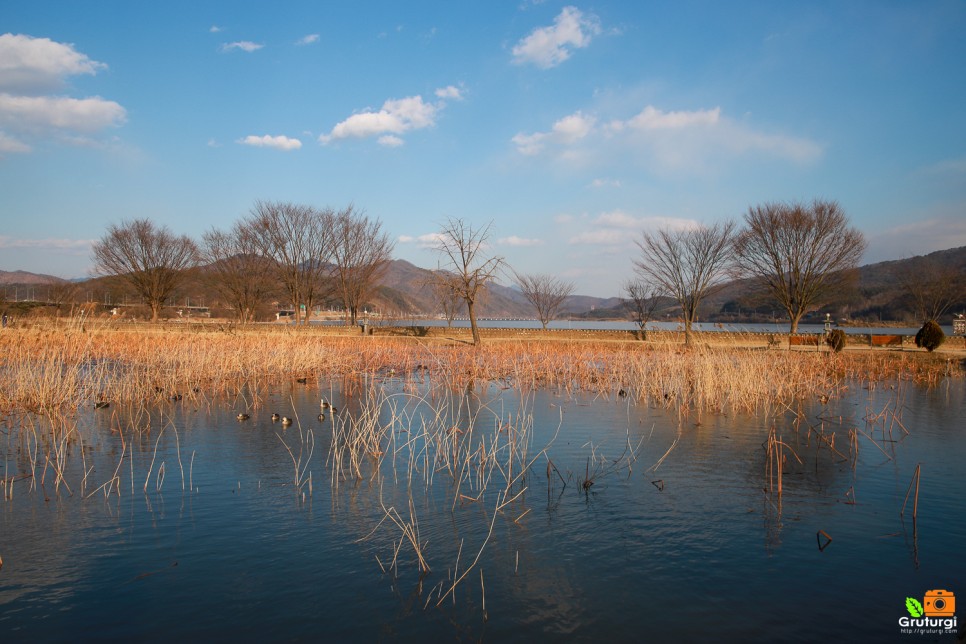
{"x":52,"y":366}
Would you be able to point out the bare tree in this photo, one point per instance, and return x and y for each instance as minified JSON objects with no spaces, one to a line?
{"x":465,"y":267}
{"x":802,"y":254}
{"x":236,"y":270}
{"x":688,"y":265}
{"x":932,"y":286}
{"x":545,"y":292}
{"x":297,"y":239}
{"x":641,"y":301}
{"x":152,"y":261}
{"x":361,"y":252}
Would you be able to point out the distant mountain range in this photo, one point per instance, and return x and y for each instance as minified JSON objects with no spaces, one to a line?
{"x":405,"y":290}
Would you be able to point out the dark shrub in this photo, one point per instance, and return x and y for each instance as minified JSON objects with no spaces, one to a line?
{"x":836,"y":340}
{"x":930,"y":336}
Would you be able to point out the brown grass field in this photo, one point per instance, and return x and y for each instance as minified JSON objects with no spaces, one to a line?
{"x":51,"y":366}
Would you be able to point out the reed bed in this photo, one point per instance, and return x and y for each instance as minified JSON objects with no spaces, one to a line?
{"x":434,"y":431}
{"x":56,"y":367}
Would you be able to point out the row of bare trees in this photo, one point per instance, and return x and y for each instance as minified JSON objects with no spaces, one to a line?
{"x":301,"y":252}
{"x":801,"y":254}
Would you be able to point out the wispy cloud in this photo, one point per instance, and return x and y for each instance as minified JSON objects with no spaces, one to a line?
{"x":665,"y":140}
{"x":513,"y":240}
{"x":605,"y":183}
{"x":450,"y":92}
{"x":78,"y":246}
{"x":10,"y":145}
{"x":935,"y":228}
{"x":390,"y":141}
{"x":425,"y":241}
{"x":307,"y":40}
{"x":547,"y":47}
{"x":566,"y":131}
{"x":215,"y":29}
{"x":243,"y":45}
{"x":618,"y":228}
{"x":277,"y":142}
{"x":396,"y":117}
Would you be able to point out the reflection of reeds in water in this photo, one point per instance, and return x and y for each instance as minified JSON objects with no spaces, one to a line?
{"x":437,"y":427}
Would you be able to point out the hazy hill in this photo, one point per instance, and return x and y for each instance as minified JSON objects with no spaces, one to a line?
{"x":27,"y":279}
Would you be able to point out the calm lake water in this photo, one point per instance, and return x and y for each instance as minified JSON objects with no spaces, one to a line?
{"x":680,"y":537}
{"x":780,"y":326}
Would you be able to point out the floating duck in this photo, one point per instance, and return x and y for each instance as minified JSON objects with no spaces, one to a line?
{"x":286,"y":421}
{"x":325,"y":404}
{"x":321,"y":416}
{"x":301,"y":381}
{"x":243,"y":416}
{"x":101,"y":404}
{"x":276,"y":417}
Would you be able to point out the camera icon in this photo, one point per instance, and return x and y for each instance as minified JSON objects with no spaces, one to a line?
{"x":939,"y":603}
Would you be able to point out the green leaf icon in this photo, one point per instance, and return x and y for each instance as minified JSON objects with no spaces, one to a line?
{"x":914,"y":607}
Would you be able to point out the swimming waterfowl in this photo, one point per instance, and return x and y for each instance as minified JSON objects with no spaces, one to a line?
{"x":325,"y":404}
{"x":101,"y":404}
{"x":275,"y":417}
{"x":243,"y":416}
{"x":286,"y":421}
{"x":321,"y":416}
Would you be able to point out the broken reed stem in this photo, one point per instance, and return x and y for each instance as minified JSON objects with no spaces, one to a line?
{"x":915,"y":502}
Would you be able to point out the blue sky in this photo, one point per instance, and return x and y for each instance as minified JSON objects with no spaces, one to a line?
{"x":572,"y":126}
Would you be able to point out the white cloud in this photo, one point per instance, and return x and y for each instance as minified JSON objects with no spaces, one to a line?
{"x":244,"y":45}
{"x":665,"y":140}
{"x":29,"y":69}
{"x":426,"y":241}
{"x":215,"y":29}
{"x":513,"y":240}
{"x":566,"y":131}
{"x":547,"y":47}
{"x":29,"y":64}
{"x":602,"y":237}
{"x":390,"y":140}
{"x":33,"y":113}
{"x":276,"y":142}
{"x":652,"y":118}
{"x":605,"y":183}
{"x":11,"y":145}
{"x":396,"y":117}
{"x":618,"y":228}
{"x":50,"y":243}
{"x":307,"y":40}
{"x":936,"y":227}
{"x":450,"y":92}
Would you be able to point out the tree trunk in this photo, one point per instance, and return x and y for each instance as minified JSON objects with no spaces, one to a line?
{"x":472,"y":314}
{"x":155,"y":311}
{"x":794,"y":326}
{"x":687,"y":332}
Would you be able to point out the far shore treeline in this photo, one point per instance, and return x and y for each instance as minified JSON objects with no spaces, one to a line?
{"x":783,"y":260}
